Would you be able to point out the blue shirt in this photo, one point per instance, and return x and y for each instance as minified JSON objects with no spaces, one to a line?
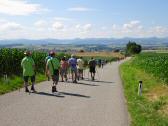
{"x":72,"y":62}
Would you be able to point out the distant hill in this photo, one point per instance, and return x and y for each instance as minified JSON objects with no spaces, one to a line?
{"x":95,"y":41}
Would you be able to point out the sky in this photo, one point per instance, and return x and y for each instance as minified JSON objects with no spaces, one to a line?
{"x":68,"y":19}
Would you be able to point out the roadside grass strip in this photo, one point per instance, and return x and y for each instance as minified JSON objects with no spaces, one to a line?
{"x":150,"y":109}
{"x":14,"y":83}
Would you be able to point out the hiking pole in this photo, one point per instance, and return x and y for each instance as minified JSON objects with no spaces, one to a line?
{"x":88,"y":75}
{"x":84,"y":73}
{"x":98,"y":74}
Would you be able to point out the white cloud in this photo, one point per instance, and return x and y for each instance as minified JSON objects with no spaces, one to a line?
{"x":18,"y":7}
{"x":114,"y":27}
{"x":87,"y":27}
{"x":57,"y":26}
{"x":78,"y":26}
{"x":80,"y":9}
{"x":62,"y":19}
{"x":84,"y":28}
{"x":58,"y":29}
{"x":136,"y":29}
{"x":158,"y":31}
{"x":132,"y":25}
{"x":10,"y":26}
{"x":41,"y":25}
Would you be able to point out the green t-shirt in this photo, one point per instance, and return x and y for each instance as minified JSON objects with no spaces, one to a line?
{"x":56,"y":65}
{"x":27,"y":65}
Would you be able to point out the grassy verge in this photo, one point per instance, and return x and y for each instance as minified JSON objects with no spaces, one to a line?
{"x":151,"y":109}
{"x":15,"y":83}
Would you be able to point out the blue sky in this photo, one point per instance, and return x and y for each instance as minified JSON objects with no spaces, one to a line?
{"x":64,"y":19}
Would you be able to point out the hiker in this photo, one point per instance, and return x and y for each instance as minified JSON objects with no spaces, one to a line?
{"x":46,"y":59}
{"x":80,"y":67}
{"x":64,"y":69}
{"x":102,"y":63}
{"x":92,"y":67}
{"x":99,"y":63}
{"x":28,"y":66}
{"x":53,"y":66}
{"x":73,"y":66}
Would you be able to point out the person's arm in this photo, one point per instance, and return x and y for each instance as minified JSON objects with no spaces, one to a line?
{"x":67,"y":64}
{"x":59,"y":64}
{"x":33,"y":65}
{"x":22,"y":63}
{"x":46,"y":69}
{"x":89,"y":63}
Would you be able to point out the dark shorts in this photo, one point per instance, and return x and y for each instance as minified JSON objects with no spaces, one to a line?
{"x":63,"y":72}
{"x":80,"y":70}
{"x":73,"y":70}
{"x":26,"y":78}
{"x":55,"y":78}
{"x":92,"y":70}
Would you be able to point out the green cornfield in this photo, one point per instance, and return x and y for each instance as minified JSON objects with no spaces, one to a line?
{"x":10,"y":60}
{"x":154,"y":63}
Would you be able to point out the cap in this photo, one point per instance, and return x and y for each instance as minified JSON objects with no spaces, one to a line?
{"x":27,"y":52}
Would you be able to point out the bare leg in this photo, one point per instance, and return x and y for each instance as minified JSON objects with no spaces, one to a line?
{"x":62,"y":77}
{"x":75,"y":75}
{"x":72,"y":76}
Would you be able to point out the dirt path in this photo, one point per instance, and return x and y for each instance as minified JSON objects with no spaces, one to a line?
{"x":99,"y":103}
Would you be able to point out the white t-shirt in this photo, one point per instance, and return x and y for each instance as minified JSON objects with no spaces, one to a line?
{"x":80,"y":64}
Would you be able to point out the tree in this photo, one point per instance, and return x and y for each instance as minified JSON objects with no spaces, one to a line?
{"x":81,"y":51}
{"x":133,"y":48}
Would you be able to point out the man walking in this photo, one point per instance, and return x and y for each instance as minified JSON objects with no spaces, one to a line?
{"x":92,"y":68}
{"x":73,"y":66}
{"x":53,"y":66}
{"x":47,"y":72}
{"x":28,"y":66}
{"x":80,"y":67}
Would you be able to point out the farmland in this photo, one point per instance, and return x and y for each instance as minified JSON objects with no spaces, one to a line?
{"x":154,"y":63}
{"x":150,"y":108}
{"x":100,"y":54}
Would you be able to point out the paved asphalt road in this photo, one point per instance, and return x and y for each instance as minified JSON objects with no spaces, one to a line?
{"x":99,"y":103}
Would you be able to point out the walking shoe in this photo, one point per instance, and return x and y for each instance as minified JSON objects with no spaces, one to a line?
{"x":74,"y":81}
{"x":27,"y":90}
{"x":33,"y":89}
{"x":54,"y":89}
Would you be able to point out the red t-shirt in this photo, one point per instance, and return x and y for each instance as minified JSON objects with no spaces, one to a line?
{"x":64,"y":64}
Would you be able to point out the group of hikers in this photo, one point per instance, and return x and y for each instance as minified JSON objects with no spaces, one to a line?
{"x":55,"y":68}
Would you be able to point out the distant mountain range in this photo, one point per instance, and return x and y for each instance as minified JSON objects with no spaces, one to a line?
{"x":95,"y":41}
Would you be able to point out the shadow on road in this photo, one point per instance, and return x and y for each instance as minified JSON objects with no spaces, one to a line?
{"x":100,"y":81}
{"x":73,"y":94}
{"x":82,"y":83}
{"x":49,"y":94}
{"x":87,"y":84}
